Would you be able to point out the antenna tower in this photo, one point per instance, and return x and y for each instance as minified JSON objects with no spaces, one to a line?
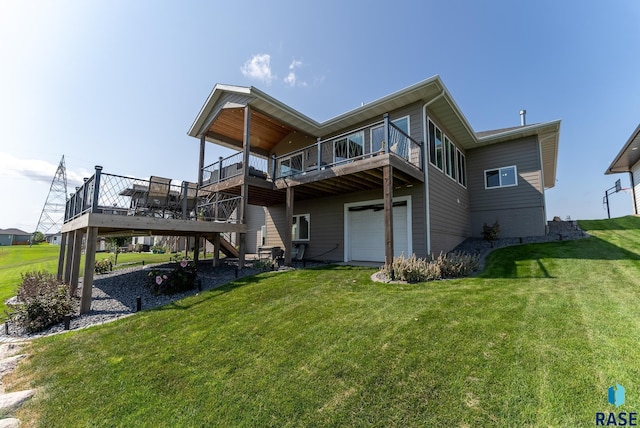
{"x":52,"y":215}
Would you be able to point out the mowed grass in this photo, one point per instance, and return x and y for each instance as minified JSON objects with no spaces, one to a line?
{"x":18,"y":259}
{"x":535,"y":340}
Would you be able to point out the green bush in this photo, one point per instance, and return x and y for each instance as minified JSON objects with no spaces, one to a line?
{"x":490,"y":233}
{"x":103,"y":266}
{"x":414,"y":269}
{"x":265,"y":264}
{"x":42,"y":302}
{"x":182,"y":278}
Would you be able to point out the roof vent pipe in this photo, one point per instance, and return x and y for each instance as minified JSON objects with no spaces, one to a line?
{"x":523,"y":117}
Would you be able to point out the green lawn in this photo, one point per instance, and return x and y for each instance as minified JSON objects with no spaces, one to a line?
{"x":535,"y":340}
{"x":18,"y":259}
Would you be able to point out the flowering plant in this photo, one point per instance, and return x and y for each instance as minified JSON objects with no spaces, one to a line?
{"x":182,"y":278}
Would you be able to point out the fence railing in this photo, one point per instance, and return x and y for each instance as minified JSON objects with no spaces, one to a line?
{"x":156,"y":197}
{"x":385,"y":137}
{"x":232,"y":166}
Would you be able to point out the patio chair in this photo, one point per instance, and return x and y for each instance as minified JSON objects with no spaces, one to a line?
{"x":190,"y":197}
{"x":157,"y":198}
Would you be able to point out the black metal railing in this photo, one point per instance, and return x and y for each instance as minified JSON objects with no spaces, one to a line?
{"x":156,"y":197}
{"x":232,"y":166}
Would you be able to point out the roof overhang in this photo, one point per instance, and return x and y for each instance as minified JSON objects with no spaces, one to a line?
{"x":548,"y":134}
{"x":629,"y":155}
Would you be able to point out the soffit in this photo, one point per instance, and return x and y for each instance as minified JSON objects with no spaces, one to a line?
{"x":629,"y":155}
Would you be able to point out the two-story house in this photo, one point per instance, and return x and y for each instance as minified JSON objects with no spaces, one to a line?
{"x":403,"y":174}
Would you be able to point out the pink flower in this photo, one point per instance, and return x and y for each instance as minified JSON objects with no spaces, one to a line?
{"x":158,"y":280}
{"x":184,"y":263}
{"x":164,"y":276}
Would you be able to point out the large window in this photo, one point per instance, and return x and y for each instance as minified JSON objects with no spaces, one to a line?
{"x":348,"y":147}
{"x":462,"y":169}
{"x":300,"y":229}
{"x":377,"y":133}
{"x":435,"y":145}
{"x":450,"y":156}
{"x":291,"y":165}
{"x":501,"y":177}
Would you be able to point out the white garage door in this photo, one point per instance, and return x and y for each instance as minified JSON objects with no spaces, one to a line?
{"x":366,"y":233}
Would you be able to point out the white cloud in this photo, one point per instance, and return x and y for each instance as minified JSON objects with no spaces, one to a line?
{"x":259,"y":68}
{"x":291,"y":78}
{"x":37,"y":170}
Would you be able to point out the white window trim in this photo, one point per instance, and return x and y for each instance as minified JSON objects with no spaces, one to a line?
{"x":408,"y":117}
{"x":435,"y":129}
{"x":515,"y":171}
{"x":347,"y":242}
{"x":346,"y":138}
{"x":454,"y":148}
{"x":293,"y":238}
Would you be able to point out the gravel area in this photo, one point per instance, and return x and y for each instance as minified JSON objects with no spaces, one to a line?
{"x":115,"y":295}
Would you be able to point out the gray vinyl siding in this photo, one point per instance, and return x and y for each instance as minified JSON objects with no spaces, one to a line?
{"x":255,"y":221}
{"x":449,"y":206}
{"x":327,"y":222}
{"x":518,"y":209}
{"x":635,"y":171}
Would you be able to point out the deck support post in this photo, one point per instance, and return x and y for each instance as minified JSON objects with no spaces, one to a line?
{"x":63,"y":249}
{"x":216,"y":249}
{"x":387,"y":185}
{"x":75,"y":262}
{"x":196,"y":249}
{"x":201,"y":160}
{"x":244,"y":188}
{"x":89,"y":265}
{"x":69,"y":258}
{"x":288,"y":236}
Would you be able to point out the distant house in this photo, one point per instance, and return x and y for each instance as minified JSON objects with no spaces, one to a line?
{"x":54,"y":238}
{"x":14,"y":237}
{"x":628,"y":160}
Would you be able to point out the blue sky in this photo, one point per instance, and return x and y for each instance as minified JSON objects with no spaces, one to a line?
{"x":119,"y":83}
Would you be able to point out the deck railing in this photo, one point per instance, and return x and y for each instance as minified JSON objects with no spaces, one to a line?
{"x":349,"y":147}
{"x":231,"y":166}
{"x":157,"y":197}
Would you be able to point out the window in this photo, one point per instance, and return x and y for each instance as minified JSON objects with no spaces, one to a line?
{"x":377,"y":133}
{"x":435,"y":145}
{"x":462,"y":169}
{"x":450,"y":154}
{"x":300,"y":229}
{"x":501,"y":177}
{"x":348,"y":147}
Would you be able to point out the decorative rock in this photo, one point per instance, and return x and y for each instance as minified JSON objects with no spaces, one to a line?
{"x":9,"y":363}
{"x":9,"y":423}
{"x":12,"y":400}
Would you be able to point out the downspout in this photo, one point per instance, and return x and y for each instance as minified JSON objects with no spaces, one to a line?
{"x":425,"y":162}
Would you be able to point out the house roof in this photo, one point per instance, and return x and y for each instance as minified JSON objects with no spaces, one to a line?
{"x":12,"y":231}
{"x":220,"y":120}
{"x":629,"y":155}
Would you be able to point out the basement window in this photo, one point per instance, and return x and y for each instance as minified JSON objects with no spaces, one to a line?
{"x":300,"y":229}
{"x":501,"y":177}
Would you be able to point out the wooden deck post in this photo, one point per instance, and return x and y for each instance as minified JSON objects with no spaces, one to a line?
{"x":75,"y":262}
{"x":196,"y":249}
{"x":216,"y":249}
{"x":89,"y":264}
{"x":387,"y":185}
{"x":63,"y":249}
{"x":288,"y":237}
{"x":244,"y":188}
{"x":201,"y":160}
{"x":69,"y":258}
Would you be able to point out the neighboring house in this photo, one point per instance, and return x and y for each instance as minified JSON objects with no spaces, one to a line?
{"x":54,"y":238}
{"x":628,"y":160}
{"x":363,"y":186}
{"x":14,"y":237}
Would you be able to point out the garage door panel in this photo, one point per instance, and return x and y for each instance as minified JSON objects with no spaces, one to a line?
{"x":366,"y":234}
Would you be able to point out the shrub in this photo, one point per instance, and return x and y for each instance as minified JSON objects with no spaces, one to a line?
{"x":103,"y":266}
{"x":490,"y":233}
{"x":413,"y":269}
{"x":42,"y":302}
{"x":182,"y":278}
{"x":265,"y":264}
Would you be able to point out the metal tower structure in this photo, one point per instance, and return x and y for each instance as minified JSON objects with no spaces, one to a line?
{"x":52,"y":215}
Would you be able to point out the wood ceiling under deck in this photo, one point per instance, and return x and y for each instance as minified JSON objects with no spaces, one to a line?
{"x":266,"y":132}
